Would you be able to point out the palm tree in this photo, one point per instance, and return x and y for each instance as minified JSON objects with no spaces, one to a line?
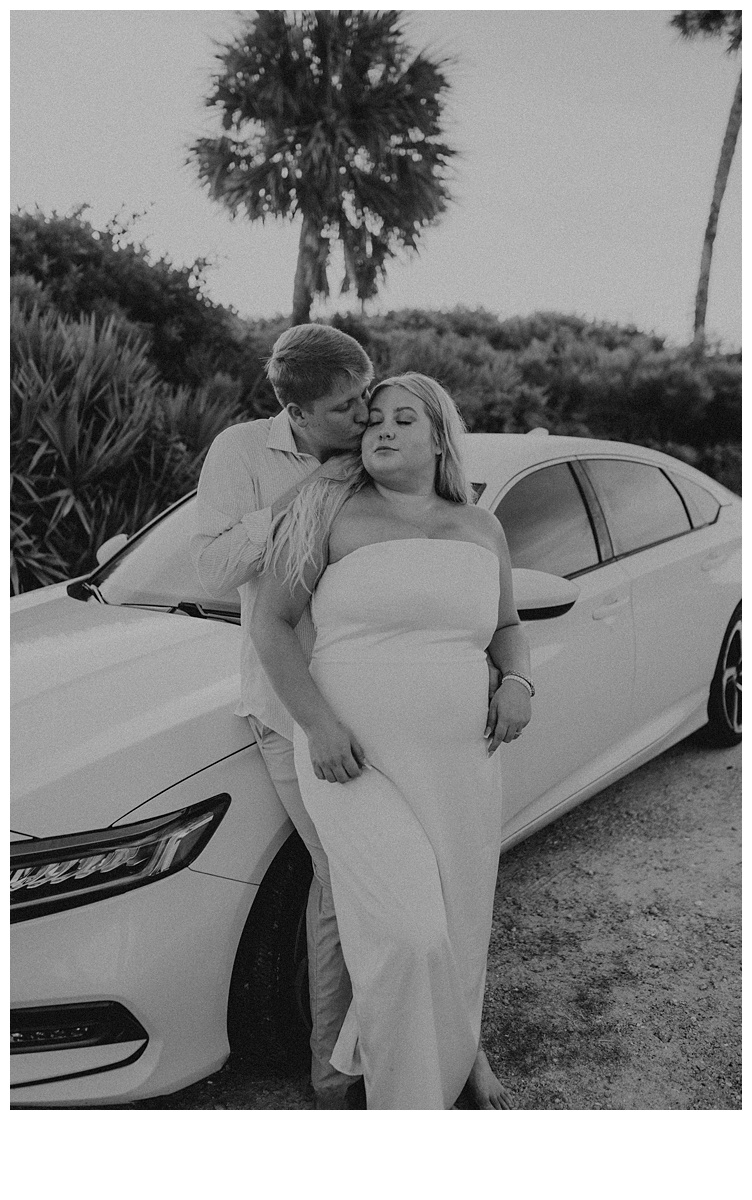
{"x":330,"y":116}
{"x":714,"y":23}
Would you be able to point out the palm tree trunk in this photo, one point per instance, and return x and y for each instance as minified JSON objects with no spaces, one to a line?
{"x":305,"y":273}
{"x":721,"y":179}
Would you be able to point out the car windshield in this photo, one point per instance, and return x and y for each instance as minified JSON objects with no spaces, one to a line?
{"x":155,"y":570}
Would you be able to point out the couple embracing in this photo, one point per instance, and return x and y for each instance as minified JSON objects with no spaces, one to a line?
{"x":374,"y":597}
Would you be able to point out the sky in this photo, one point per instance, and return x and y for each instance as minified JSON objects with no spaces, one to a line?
{"x":588,"y":142}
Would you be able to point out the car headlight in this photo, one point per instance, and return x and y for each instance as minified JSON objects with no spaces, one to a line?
{"x":50,"y":874}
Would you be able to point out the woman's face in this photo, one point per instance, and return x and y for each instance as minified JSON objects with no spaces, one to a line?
{"x":399,"y":442}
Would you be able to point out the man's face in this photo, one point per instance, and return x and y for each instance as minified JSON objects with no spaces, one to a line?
{"x":336,"y":421}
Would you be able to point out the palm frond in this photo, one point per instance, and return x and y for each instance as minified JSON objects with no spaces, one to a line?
{"x":693,"y":23}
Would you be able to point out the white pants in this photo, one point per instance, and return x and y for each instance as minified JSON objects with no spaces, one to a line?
{"x":328,"y":980}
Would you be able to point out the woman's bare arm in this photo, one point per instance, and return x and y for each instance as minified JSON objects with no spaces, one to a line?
{"x":336,"y":754}
{"x":510,"y":708}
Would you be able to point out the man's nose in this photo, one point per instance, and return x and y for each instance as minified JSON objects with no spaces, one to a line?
{"x":361,"y":412}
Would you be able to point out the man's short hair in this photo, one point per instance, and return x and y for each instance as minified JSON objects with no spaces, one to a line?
{"x":308,"y":361}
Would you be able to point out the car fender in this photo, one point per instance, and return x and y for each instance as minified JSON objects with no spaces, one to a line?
{"x":729,"y":575}
{"x":251,"y":831}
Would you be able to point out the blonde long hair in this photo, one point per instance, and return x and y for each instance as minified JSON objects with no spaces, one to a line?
{"x":295,"y":541}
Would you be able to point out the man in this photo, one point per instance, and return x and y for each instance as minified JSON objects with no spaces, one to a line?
{"x":251,"y":473}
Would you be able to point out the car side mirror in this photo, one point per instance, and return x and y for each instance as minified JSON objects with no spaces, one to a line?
{"x":110,"y":548}
{"x":540,"y":596}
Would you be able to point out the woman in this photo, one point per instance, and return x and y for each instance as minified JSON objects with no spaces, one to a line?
{"x":395,"y":739}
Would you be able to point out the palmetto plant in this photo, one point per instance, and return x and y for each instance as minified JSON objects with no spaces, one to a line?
{"x":329,"y":116}
{"x":94,"y":448}
{"x":694,"y":23}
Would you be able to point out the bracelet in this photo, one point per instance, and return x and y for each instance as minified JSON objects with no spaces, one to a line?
{"x":528,"y":683}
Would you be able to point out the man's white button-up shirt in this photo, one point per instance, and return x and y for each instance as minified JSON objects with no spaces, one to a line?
{"x":248,"y":467}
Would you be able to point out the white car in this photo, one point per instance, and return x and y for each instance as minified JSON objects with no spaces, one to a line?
{"x":157,"y":890}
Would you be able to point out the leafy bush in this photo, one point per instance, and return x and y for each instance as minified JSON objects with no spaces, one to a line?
{"x":570,"y":375}
{"x":85,"y":270}
{"x":486,"y":385}
{"x":99,"y":444}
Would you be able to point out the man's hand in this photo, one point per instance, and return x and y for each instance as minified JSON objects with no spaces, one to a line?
{"x":508,"y":714}
{"x":494,"y":678}
{"x":335,"y":467}
{"x":336,"y":754}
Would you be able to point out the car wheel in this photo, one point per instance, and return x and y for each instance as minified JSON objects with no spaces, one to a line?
{"x":268,"y":1013}
{"x":724,"y":727}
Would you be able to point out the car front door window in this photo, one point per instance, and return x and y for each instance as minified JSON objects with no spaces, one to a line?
{"x":546,"y":523}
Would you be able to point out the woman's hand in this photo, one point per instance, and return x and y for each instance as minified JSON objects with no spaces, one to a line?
{"x":336,"y":754}
{"x":508,"y":714}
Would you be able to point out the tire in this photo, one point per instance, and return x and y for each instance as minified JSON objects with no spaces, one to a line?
{"x":724,"y":727}
{"x":268,"y":1012}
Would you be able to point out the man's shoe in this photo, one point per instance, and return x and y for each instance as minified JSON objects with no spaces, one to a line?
{"x":352,"y":1096}
{"x":331,"y":1099}
{"x":356,"y":1095}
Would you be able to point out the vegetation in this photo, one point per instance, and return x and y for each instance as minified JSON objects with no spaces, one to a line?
{"x":98,"y":443}
{"x":571,"y":376}
{"x":714,"y":23}
{"x":102,"y":438}
{"x":330,"y":116}
{"x":104,"y":273}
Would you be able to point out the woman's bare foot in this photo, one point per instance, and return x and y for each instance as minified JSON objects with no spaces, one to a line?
{"x":484,"y":1087}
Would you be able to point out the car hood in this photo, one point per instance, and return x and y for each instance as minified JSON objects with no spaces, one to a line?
{"x":110,"y":706}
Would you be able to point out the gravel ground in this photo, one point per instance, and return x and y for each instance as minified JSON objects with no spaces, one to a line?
{"x":614,"y":977}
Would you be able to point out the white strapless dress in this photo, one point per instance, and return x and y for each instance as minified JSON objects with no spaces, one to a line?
{"x":413,"y":843}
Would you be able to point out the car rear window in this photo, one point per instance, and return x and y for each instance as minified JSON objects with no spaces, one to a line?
{"x":703,"y":507}
{"x":639,"y":503}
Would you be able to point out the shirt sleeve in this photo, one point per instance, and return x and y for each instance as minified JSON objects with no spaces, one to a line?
{"x":231,"y":528}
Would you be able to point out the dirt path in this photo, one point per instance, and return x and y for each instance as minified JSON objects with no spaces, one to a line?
{"x":614,"y":975}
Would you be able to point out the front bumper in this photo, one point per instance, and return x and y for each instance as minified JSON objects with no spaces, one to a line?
{"x":165,"y":952}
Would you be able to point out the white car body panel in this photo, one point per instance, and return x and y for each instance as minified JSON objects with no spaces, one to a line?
{"x":678,"y":596}
{"x":139,"y":948}
{"x":254,"y":827}
{"x":121,"y":695}
{"x":573,"y":737}
{"x":122,"y":714}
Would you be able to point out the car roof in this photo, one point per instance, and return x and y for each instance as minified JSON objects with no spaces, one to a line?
{"x":498,"y":457}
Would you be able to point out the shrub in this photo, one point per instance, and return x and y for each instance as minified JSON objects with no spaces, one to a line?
{"x":612,"y":380}
{"x":724,"y":463}
{"x":85,"y":270}
{"x":99,"y":444}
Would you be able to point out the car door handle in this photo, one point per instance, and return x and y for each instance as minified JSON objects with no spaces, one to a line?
{"x":610,"y":608}
{"x":713,"y":559}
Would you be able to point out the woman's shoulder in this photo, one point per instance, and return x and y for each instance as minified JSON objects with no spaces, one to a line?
{"x":356,"y":505}
{"x":483,"y":524}
{"x":346,"y":532}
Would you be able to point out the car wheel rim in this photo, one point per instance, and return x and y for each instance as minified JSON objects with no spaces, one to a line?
{"x":731,"y":679}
